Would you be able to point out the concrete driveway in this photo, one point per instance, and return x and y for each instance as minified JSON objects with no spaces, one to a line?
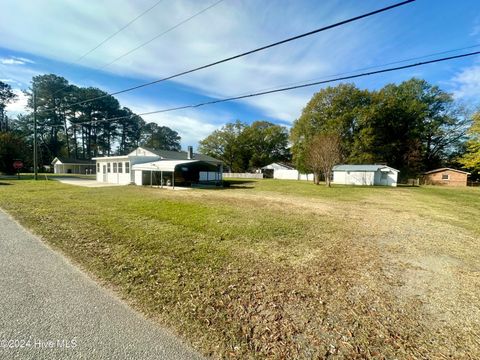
{"x":51,"y":310}
{"x":83,"y":182}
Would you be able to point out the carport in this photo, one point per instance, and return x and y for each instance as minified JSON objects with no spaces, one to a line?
{"x":177,"y":173}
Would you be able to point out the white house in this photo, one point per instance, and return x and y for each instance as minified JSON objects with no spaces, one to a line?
{"x":285,"y":172}
{"x":144,"y":166}
{"x":63,"y":165}
{"x":365,"y":175}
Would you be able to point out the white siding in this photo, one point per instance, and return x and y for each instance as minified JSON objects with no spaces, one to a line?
{"x":138,"y":177}
{"x":365,"y":178}
{"x":291,"y":175}
{"x":111,"y":177}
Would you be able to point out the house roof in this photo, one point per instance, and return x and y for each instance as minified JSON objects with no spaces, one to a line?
{"x":164,"y":165}
{"x":366,"y":167}
{"x":180,"y":155}
{"x":278,"y":165}
{"x":445,"y":169}
{"x":67,"y":160}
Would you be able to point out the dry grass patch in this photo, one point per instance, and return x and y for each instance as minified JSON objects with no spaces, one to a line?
{"x":269,"y":272}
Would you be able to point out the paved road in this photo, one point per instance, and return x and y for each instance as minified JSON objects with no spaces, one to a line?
{"x":45,"y":301}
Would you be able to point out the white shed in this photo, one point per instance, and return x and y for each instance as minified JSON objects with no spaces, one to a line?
{"x":285,"y":172}
{"x":381,"y":175}
{"x":63,"y":165}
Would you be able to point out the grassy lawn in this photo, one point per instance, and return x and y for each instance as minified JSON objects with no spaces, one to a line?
{"x":278,"y":269}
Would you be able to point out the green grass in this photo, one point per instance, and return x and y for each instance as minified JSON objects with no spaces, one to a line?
{"x":269,"y":268}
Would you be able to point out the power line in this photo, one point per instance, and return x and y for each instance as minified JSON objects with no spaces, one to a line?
{"x":108,"y":38}
{"x":290,"y":87}
{"x":251,"y":51}
{"x":161,"y":34}
{"x":368,"y":68}
{"x":141,"y":45}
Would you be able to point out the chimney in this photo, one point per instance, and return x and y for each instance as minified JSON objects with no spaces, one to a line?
{"x":190,"y":153}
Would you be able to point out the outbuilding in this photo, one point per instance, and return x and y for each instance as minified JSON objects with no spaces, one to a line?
{"x":145,"y":166}
{"x":446,"y":177}
{"x":64,"y":165}
{"x":381,"y":175}
{"x":283,"y":171}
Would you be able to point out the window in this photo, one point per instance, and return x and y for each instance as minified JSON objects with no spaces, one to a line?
{"x":120,"y":166}
{"x":445,"y":177}
{"x":98,"y":167}
{"x":127,"y":167}
{"x":384,"y":175}
{"x":108,"y":167}
{"x":114,"y":168}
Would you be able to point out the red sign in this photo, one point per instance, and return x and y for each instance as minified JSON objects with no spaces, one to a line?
{"x":18,"y":164}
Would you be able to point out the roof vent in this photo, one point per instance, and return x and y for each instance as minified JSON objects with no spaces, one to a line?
{"x":190,"y":153}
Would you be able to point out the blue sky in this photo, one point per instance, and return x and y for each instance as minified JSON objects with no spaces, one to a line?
{"x":48,"y":36}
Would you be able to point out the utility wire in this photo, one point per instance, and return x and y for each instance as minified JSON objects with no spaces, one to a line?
{"x":108,"y":38}
{"x":141,"y":45}
{"x":251,"y":51}
{"x":161,"y":34}
{"x":289,"y":88}
{"x":326,"y":77}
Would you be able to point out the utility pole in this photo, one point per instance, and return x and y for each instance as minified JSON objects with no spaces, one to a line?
{"x":35,"y":163}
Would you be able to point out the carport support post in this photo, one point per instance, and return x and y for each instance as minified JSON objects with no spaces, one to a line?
{"x":173,"y":179}
{"x":161,"y":179}
{"x":151,"y":178}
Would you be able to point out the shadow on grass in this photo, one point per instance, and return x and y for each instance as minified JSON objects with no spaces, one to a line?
{"x":4,"y":183}
{"x":238,"y":184}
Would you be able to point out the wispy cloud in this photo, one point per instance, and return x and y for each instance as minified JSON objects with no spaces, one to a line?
{"x":13,"y":60}
{"x":19,"y":105}
{"x":229,"y":28}
{"x":192,"y":125}
{"x":466,"y":83}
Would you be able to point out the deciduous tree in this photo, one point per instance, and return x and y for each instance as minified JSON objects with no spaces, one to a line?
{"x":324,"y":152}
{"x":471,"y":158}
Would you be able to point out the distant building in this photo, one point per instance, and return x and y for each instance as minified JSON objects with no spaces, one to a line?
{"x":381,"y":175}
{"x":64,"y":165}
{"x":284,"y":171}
{"x":144,"y":166}
{"x":446,"y":177}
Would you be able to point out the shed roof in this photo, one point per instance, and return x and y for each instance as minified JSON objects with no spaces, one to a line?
{"x":445,"y":169}
{"x":366,"y":167}
{"x":163,"y":165}
{"x":67,"y":160}
{"x":278,"y":165}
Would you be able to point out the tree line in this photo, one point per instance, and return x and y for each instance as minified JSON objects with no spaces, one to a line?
{"x":69,"y":127}
{"x":412,"y":126}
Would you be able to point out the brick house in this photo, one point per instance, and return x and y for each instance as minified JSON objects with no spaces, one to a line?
{"x":445,"y":176}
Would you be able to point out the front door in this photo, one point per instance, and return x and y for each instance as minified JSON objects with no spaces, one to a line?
{"x":104,"y":173}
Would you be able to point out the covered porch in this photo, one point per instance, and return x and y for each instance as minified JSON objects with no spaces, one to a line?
{"x":73,"y":166}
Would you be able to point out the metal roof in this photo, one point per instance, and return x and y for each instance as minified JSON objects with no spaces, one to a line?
{"x":162,"y":165}
{"x":65,"y":160}
{"x":277,"y":166}
{"x":368,"y":168}
{"x":180,"y":155}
